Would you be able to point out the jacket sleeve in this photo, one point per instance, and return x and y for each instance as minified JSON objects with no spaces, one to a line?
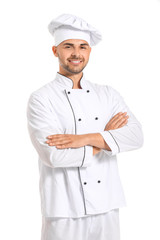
{"x":126,"y":138}
{"x":42,"y":122}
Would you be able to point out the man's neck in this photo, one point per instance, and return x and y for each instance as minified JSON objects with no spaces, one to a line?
{"x":75,"y":78}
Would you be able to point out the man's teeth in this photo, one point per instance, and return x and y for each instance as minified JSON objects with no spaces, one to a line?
{"x":75,"y":61}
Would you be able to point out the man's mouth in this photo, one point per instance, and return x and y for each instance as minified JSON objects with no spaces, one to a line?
{"x":75,"y":62}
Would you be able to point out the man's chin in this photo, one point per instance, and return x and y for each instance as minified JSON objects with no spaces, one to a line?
{"x":75,"y":71}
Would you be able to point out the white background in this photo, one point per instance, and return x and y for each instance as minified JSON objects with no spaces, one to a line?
{"x":128,"y":59}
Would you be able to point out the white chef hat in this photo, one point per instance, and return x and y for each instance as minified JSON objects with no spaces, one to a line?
{"x":68,"y":26}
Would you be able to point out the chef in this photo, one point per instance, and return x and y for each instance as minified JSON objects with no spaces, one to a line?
{"x":78,"y":127}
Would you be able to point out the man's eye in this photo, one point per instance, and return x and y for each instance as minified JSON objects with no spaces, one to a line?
{"x":83,"y":47}
{"x":67,"y":47}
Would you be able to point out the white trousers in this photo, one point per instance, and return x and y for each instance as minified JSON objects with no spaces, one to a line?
{"x":96,"y":227}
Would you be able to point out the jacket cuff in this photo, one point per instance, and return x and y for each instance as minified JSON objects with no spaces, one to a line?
{"x":109,"y":139}
{"x":88,"y":155}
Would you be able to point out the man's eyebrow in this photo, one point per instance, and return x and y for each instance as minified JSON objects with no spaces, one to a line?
{"x":84,"y":44}
{"x":71,"y":44}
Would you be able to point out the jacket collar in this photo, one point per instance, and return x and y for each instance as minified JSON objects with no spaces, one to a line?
{"x":67,"y":82}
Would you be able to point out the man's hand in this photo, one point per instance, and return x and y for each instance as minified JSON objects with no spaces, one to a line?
{"x":118,"y":121}
{"x":67,"y":140}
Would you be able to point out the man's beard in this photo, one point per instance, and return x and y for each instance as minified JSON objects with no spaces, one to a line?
{"x":70,"y":69}
{"x":73,"y":71}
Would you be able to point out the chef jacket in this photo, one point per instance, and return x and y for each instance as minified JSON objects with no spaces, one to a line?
{"x":74,"y":182}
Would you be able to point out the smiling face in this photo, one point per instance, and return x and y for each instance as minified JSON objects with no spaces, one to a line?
{"x":73,"y":55}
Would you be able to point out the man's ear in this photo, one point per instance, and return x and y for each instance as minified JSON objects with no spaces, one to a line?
{"x":54,"y":50}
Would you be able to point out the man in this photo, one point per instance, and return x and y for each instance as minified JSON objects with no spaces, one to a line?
{"x":77,"y":128}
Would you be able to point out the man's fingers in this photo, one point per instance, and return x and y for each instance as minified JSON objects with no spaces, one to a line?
{"x":117,"y":117}
{"x":58,"y":143}
{"x":63,"y":146}
{"x":56,"y":136}
{"x":120,"y":121}
{"x":123,"y":124}
{"x":53,"y":142}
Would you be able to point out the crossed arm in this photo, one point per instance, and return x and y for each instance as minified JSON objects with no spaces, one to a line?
{"x":62,"y":141}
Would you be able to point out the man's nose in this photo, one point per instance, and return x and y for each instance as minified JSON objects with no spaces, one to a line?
{"x":75,"y":53}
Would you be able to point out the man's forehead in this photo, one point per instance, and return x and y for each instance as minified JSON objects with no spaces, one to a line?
{"x":74,"y":42}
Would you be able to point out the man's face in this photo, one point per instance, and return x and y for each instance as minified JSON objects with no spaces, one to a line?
{"x":73,"y":55}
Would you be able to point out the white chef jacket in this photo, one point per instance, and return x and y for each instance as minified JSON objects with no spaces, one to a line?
{"x":74,"y":182}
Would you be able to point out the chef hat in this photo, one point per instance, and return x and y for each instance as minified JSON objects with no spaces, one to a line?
{"x":68,"y":26}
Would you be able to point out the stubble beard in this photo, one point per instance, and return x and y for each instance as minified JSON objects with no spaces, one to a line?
{"x":72,"y":70}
